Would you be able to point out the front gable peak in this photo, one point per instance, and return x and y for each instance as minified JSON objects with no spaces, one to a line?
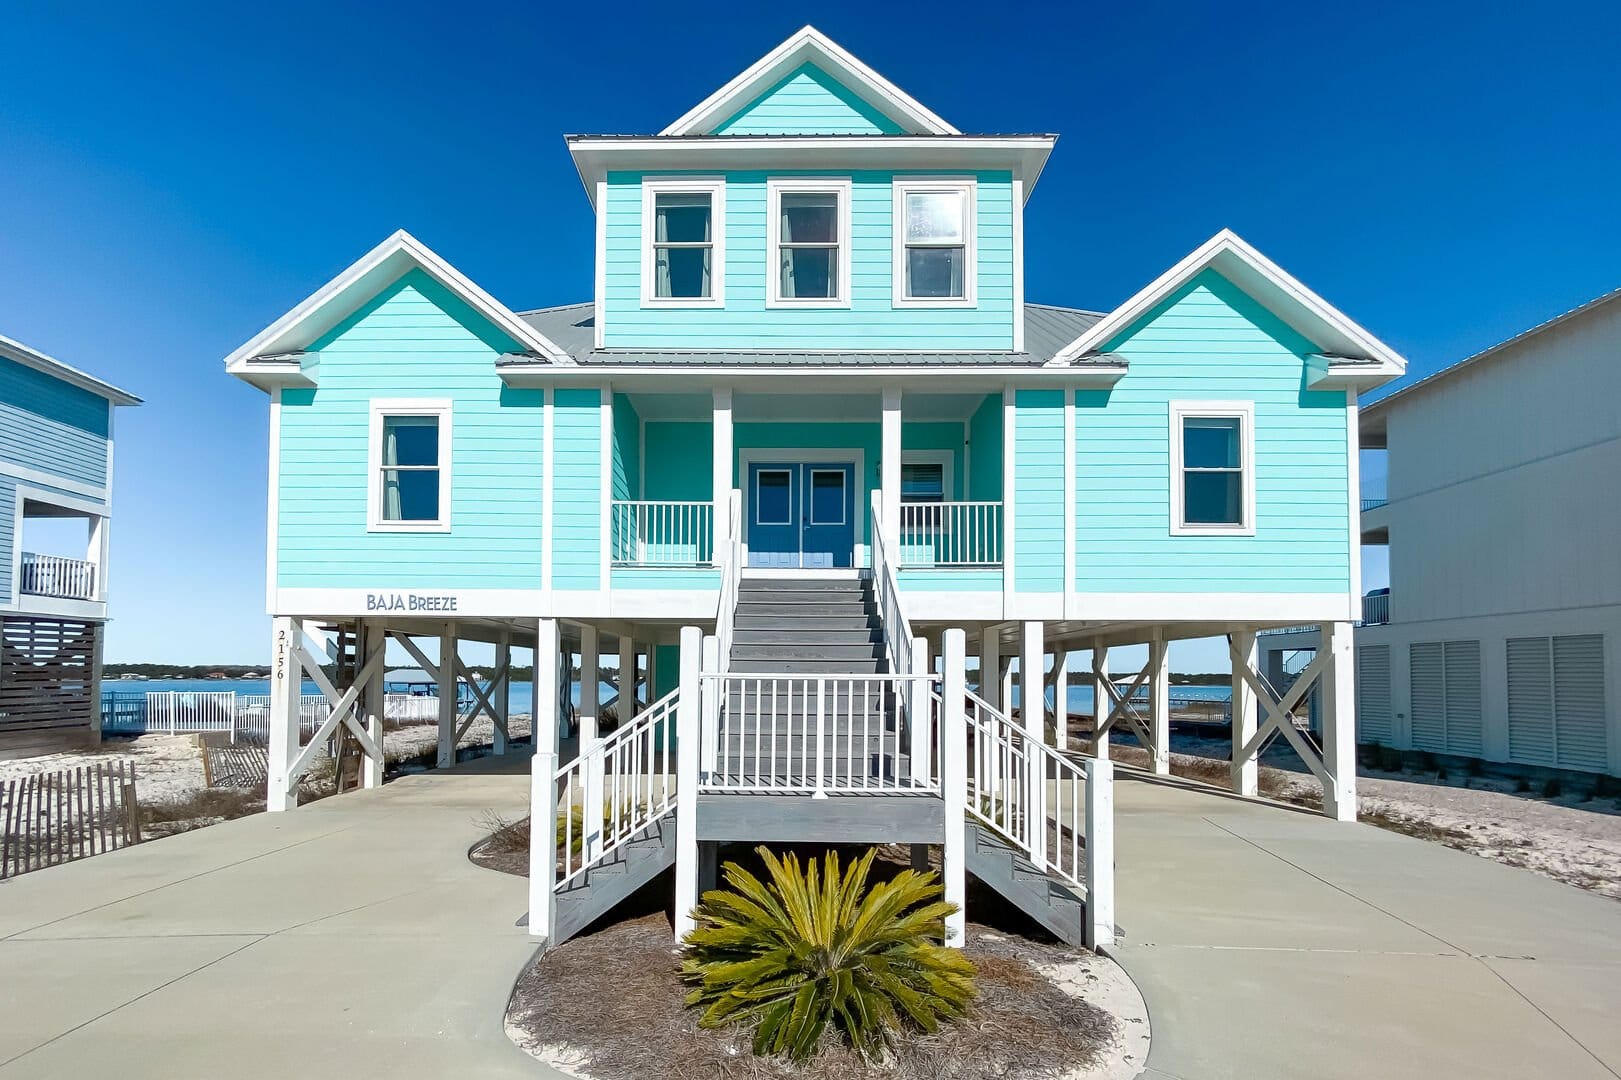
{"x":809,"y":74}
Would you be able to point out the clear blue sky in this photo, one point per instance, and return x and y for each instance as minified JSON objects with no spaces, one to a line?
{"x":174,"y":177}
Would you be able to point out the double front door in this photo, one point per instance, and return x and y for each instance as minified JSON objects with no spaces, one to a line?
{"x":801,"y":514}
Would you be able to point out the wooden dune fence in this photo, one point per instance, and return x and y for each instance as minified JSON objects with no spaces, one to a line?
{"x":52,"y":818}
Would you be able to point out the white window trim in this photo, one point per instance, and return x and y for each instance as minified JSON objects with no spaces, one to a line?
{"x":775,"y":188}
{"x":380,"y":408}
{"x":1245,"y":412}
{"x":970,"y":255}
{"x":715,"y":187}
{"x":946,"y":459}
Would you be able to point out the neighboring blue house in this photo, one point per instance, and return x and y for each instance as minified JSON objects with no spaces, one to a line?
{"x":56,"y":462}
{"x":809,"y":415}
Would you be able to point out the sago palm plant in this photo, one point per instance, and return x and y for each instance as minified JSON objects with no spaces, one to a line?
{"x":815,"y":948}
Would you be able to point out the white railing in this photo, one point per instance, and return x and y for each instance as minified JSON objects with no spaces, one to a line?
{"x":951,"y":534}
{"x":731,"y":574}
{"x":618,"y":787}
{"x":1030,"y":794}
{"x":54,"y":575}
{"x":662,"y":533}
{"x":816,"y":734}
{"x":253,"y":714}
{"x":897,"y":630}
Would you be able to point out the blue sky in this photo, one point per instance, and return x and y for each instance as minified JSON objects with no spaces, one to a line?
{"x":174,"y":177}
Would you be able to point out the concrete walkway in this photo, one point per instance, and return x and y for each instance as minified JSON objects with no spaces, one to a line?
{"x":1275,"y":944}
{"x":351,"y":938}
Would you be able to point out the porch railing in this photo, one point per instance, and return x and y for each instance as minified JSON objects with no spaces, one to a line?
{"x":1376,"y":610}
{"x":951,"y":534}
{"x":662,"y":533}
{"x":56,"y":576}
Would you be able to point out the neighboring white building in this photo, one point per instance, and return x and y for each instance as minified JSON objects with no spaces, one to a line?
{"x":1503,"y":639}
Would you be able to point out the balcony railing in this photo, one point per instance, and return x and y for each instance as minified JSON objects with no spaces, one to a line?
{"x":1373,"y":504}
{"x":1376,"y":610}
{"x":55,"y":576}
{"x":951,"y":534}
{"x":663,"y":533}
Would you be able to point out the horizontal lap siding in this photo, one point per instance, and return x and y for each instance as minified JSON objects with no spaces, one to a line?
{"x":1212,"y":342}
{"x":1038,"y":491}
{"x":871,"y":322}
{"x":414,"y":340}
{"x":680,"y":460}
{"x":577,"y":490}
{"x":807,"y":101}
{"x":52,"y":426}
{"x":10,"y":536}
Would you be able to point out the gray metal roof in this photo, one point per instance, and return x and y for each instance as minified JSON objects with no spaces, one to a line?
{"x":1047,"y":329}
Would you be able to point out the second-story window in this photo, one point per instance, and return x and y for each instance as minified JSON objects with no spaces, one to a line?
{"x":934,"y":243}
{"x":409,"y":488}
{"x":1212,"y":467}
{"x":683,"y":225}
{"x":808,"y":252}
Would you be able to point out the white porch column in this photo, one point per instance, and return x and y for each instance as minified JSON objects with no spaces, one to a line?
{"x":590,"y":705}
{"x":1159,"y":704}
{"x":1061,"y":699}
{"x":1033,"y":681}
{"x":1102,"y":703}
{"x":626,"y":710}
{"x":954,"y":784}
{"x":889,"y":454}
{"x":1245,"y":773}
{"x":448,"y":697}
{"x":503,"y":693}
{"x":990,"y":666}
{"x":1337,"y":700}
{"x":286,"y":681}
{"x":373,"y":639}
{"x":1100,"y":855}
{"x":542,"y":782}
{"x":721,"y":469}
{"x":687,"y":713}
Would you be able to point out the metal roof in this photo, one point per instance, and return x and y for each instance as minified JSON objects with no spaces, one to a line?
{"x":1047,"y":329}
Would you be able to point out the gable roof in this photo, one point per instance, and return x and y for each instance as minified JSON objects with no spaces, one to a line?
{"x":272,"y":354}
{"x":1347,"y":347}
{"x":33,"y":358}
{"x":809,"y":44}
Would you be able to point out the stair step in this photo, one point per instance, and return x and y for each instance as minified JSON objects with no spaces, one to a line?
{"x":848,"y":666}
{"x":858,"y":650}
{"x":810,"y":596}
{"x":800,"y":635}
{"x":770,"y":609}
{"x":757,"y":620}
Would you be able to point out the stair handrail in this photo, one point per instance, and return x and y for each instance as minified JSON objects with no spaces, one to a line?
{"x":730,"y":558}
{"x":896,"y":628}
{"x":631,"y":774}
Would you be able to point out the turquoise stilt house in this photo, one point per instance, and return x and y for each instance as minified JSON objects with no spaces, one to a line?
{"x":804,"y":449}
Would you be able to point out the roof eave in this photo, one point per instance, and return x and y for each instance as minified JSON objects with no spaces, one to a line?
{"x":30,"y":357}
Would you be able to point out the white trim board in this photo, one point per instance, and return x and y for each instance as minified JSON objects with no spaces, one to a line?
{"x":442,"y":410}
{"x":968,"y":188}
{"x":1244,"y":413}
{"x":39,"y":476}
{"x":715,"y":188}
{"x":775,"y":188}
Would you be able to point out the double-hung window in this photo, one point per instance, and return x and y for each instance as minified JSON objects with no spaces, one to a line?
{"x":1212,"y":468}
{"x":683,"y":242}
{"x":808,"y":249}
{"x":408,"y":485}
{"x":934,"y":243}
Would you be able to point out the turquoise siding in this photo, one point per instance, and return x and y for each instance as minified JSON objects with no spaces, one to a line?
{"x":985,"y":451}
{"x":871,"y":322}
{"x":1038,"y":491}
{"x":413,"y":340}
{"x":923,"y":579}
{"x":680,"y":460}
{"x":577,"y":490}
{"x":627,"y":444}
{"x":808,"y":101}
{"x":1211,"y":341}
{"x":636,"y":577}
{"x":52,"y":426}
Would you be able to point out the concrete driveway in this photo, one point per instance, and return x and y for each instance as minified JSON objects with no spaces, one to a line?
{"x":1271,"y":943}
{"x":351,"y":938}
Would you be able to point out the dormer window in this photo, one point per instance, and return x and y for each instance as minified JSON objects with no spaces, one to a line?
{"x":809,"y":245}
{"x":934,"y":243}
{"x":683,"y":247}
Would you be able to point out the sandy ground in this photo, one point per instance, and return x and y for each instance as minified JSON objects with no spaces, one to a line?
{"x":1567,"y":837}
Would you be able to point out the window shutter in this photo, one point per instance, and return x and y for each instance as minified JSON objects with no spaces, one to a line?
{"x":1373,"y":693}
{"x":1530,"y":701}
{"x":1428,"y":695}
{"x":1580,"y":738}
{"x":1463,"y":710}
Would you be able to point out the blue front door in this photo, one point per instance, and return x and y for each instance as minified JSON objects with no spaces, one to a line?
{"x":802,"y":514}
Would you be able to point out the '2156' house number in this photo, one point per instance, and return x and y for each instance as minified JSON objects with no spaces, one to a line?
{"x":409,"y":602}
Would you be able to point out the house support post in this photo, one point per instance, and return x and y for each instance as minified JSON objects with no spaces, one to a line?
{"x":502,"y":738}
{"x":448,"y":697}
{"x":1102,"y":702}
{"x":1159,"y":694}
{"x":990,"y":666}
{"x":1099,"y":854}
{"x":709,"y":714}
{"x":1337,"y":702}
{"x":373,"y":639}
{"x":919,"y":706}
{"x":954,"y":783}
{"x":543,"y":783}
{"x":590,"y":705}
{"x":1245,"y":771}
{"x":1033,"y":714}
{"x":1060,"y":684}
{"x":688,"y":713}
{"x":286,"y":680}
{"x":626,"y":710}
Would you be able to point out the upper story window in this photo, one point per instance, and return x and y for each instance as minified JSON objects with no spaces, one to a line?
{"x":683,"y":242}
{"x":808,"y":252}
{"x":409,"y":466}
{"x":934,"y":243}
{"x":1212,"y":468}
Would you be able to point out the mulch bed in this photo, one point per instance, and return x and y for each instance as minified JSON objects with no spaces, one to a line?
{"x":615,"y":1002}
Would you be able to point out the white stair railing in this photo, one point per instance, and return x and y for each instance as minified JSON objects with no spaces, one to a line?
{"x":897,"y":630}
{"x":730,"y":558}
{"x":637,"y":767}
